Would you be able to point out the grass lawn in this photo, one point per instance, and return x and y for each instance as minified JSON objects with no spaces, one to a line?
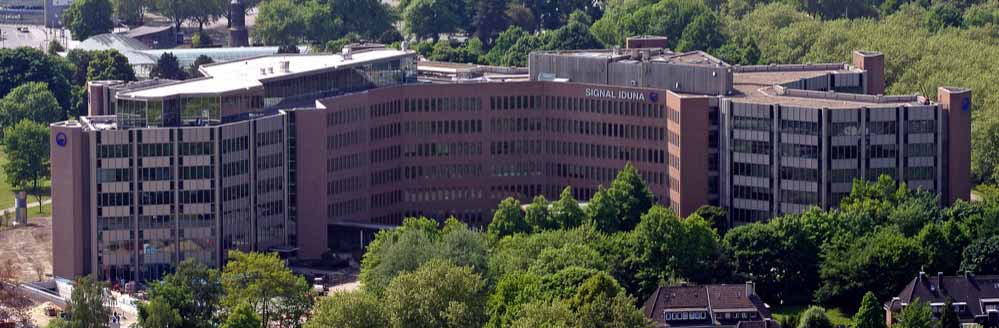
{"x":835,"y":315}
{"x":7,"y":193}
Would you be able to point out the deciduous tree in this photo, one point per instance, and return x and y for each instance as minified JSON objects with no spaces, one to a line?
{"x":86,"y":18}
{"x":109,"y":65}
{"x":262,"y":282}
{"x":438,"y":294}
{"x":27,"y":147}
{"x":30,"y":101}
{"x":88,"y":304}
{"x":349,"y":310}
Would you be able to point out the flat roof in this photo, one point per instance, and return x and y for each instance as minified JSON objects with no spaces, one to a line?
{"x":250,"y":73}
{"x":761,"y":88}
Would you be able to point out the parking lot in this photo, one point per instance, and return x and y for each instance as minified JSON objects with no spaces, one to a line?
{"x":34,"y":36}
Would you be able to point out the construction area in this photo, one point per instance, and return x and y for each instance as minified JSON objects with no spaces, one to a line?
{"x":30,"y":247}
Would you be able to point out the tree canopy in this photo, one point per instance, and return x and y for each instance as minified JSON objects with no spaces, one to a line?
{"x":86,"y":18}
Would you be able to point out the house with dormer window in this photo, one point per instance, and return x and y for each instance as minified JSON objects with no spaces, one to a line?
{"x":975,"y":299}
{"x":708,"y":306}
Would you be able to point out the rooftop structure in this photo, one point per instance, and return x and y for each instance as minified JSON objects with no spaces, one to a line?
{"x":142,"y":58}
{"x":975,"y":298}
{"x":707,"y":306}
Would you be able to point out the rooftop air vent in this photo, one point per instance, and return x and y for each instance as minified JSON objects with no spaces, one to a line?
{"x":284,"y":66}
{"x":346,"y":53}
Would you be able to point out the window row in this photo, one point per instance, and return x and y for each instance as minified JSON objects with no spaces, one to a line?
{"x":436,"y":128}
{"x":437,"y":105}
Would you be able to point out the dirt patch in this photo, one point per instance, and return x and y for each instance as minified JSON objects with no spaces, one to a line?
{"x":30,"y":247}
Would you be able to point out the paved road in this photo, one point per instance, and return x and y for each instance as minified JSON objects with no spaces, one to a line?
{"x":31,"y":204}
{"x":12,"y":38}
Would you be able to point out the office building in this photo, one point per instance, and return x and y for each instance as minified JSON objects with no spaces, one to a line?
{"x":283,"y":153}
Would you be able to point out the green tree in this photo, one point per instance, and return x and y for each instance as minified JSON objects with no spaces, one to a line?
{"x":87,"y":306}
{"x":490,"y":19}
{"x":32,"y":101}
{"x":518,"y":54}
{"x":511,"y":293}
{"x":194,"y":290}
{"x":508,"y":219}
{"x":670,"y":248}
{"x":22,"y":65}
{"x":109,"y":65}
{"x":370,"y":18}
{"x":544,"y":314}
{"x":617,"y":311}
{"x":701,"y":34}
{"x":349,"y":310}
{"x":949,"y":319}
{"x":416,"y":242}
{"x":157,"y":313}
{"x":431,"y":18}
{"x":179,"y":11}
{"x":630,"y":196}
{"x":573,"y":36}
{"x":602,"y":211}
{"x":982,"y":256}
{"x":871,"y":313}
{"x":86,"y":18}
{"x":242,"y":317}
{"x":716,"y":216}
{"x":438,"y":294}
{"x":536,"y":215}
{"x":129,"y":11}
{"x":883,"y":266}
{"x":521,"y":17}
{"x":167,"y":67}
{"x":814,"y":317}
{"x":502,"y":45}
{"x":940,"y":241}
{"x":195,"y":69}
{"x":54,"y":48}
{"x":556,"y":258}
{"x":262,"y":282}
{"x":27,"y":147}
{"x":280,"y":22}
{"x":916,"y":315}
{"x":565,"y":213}
{"x":943,"y":14}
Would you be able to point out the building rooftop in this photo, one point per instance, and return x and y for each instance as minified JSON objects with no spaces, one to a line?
{"x":251,"y":73}
{"x":763,"y":85}
{"x":146,"y":30}
{"x":968,"y":289}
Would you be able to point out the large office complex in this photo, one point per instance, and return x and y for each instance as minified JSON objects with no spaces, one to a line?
{"x":273,"y":153}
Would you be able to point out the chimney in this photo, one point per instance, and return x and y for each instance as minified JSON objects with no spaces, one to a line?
{"x":404,"y":46}
{"x":346,"y":53}
{"x":940,"y":285}
{"x":750,"y":288}
{"x":767,"y":322}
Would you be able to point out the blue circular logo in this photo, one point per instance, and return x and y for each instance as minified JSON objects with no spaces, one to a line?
{"x":653,"y":96}
{"x":61,"y":139}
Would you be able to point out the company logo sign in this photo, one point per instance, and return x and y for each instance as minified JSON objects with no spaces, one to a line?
{"x":623,"y":95}
{"x":654,"y":96}
{"x":61,"y":139}
{"x":966,"y":105}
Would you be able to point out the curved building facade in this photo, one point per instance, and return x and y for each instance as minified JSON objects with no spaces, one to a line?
{"x":279,"y":153}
